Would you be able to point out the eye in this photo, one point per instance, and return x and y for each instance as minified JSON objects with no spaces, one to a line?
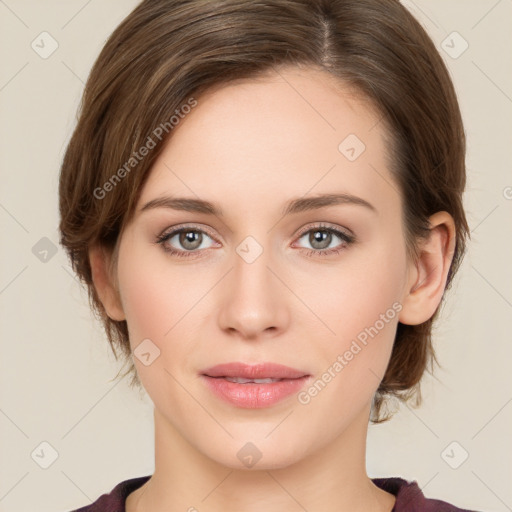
{"x":187,"y":239}
{"x":321,"y":237}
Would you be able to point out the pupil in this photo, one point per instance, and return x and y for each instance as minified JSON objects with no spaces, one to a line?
{"x":320,"y":236}
{"x":189,"y":238}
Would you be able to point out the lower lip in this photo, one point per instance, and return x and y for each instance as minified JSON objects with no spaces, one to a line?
{"x":252,"y":395}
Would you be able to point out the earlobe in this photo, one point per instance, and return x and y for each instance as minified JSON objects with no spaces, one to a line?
{"x":428,"y":275}
{"x":103,"y":283}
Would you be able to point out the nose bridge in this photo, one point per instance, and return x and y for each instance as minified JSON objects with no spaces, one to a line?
{"x":251,"y":265}
{"x":252,"y":303}
{"x":251,"y":276}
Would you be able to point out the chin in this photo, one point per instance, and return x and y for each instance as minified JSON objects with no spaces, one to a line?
{"x":255,"y":453}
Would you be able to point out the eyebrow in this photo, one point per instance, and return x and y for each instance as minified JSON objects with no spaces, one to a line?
{"x":294,"y":206}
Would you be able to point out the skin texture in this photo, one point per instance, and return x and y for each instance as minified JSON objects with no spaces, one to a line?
{"x":249,"y":147}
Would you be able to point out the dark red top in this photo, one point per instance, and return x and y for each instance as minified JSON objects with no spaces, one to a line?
{"x":409,"y":497}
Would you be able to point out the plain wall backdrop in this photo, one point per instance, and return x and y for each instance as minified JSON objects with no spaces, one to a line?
{"x":57,"y":370}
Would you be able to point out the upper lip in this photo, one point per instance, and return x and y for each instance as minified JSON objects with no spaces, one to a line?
{"x":254,"y":371}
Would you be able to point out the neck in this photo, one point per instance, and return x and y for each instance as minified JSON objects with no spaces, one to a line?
{"x":332,"y":479}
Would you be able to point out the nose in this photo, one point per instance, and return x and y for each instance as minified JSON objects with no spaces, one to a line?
{"x":254,"y":301}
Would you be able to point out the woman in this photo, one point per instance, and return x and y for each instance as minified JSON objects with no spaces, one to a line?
{"x":264,"y":200}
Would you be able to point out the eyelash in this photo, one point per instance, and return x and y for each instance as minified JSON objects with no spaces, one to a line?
{"x":346,"y":241}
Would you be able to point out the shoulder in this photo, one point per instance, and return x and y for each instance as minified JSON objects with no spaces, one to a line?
{"x":114,"y":501}
{"x":410,"y":498}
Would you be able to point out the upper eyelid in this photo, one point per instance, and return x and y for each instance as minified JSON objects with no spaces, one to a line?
{"x":175,"y":230}
{"x":323,"y":226}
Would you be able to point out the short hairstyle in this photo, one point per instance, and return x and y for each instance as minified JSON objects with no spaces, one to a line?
{"x":166,"y":53}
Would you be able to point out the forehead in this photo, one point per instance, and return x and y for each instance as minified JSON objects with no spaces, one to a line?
{"x":285,"y":134}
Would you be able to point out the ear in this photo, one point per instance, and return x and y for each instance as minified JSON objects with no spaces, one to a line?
{"x":427,"y":276}
{"x":106,"y":288}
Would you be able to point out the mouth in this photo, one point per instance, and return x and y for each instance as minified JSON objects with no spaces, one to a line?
{"x":254,"y":386}
{"x":260,"y":373}
{"x":241,"y":380}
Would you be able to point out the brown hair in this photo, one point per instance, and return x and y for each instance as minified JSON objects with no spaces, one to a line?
{"x":166,"y":52}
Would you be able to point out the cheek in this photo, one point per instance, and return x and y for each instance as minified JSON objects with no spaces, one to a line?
{"x":162,"y":303}
{"x":153,"y":306}
{"x":360,"y":304}
{"x":364,"y":285}
{"x":148,"y":305}
{"x":151,"y":298}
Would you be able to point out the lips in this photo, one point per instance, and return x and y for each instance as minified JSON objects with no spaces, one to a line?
{"x":254,"y":386}
{"x":247,"y":373}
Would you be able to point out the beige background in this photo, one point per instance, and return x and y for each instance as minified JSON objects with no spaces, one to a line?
{"x":55,"y":364}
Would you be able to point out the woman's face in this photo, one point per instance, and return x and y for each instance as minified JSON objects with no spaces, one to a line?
{"x":255,"y":283}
